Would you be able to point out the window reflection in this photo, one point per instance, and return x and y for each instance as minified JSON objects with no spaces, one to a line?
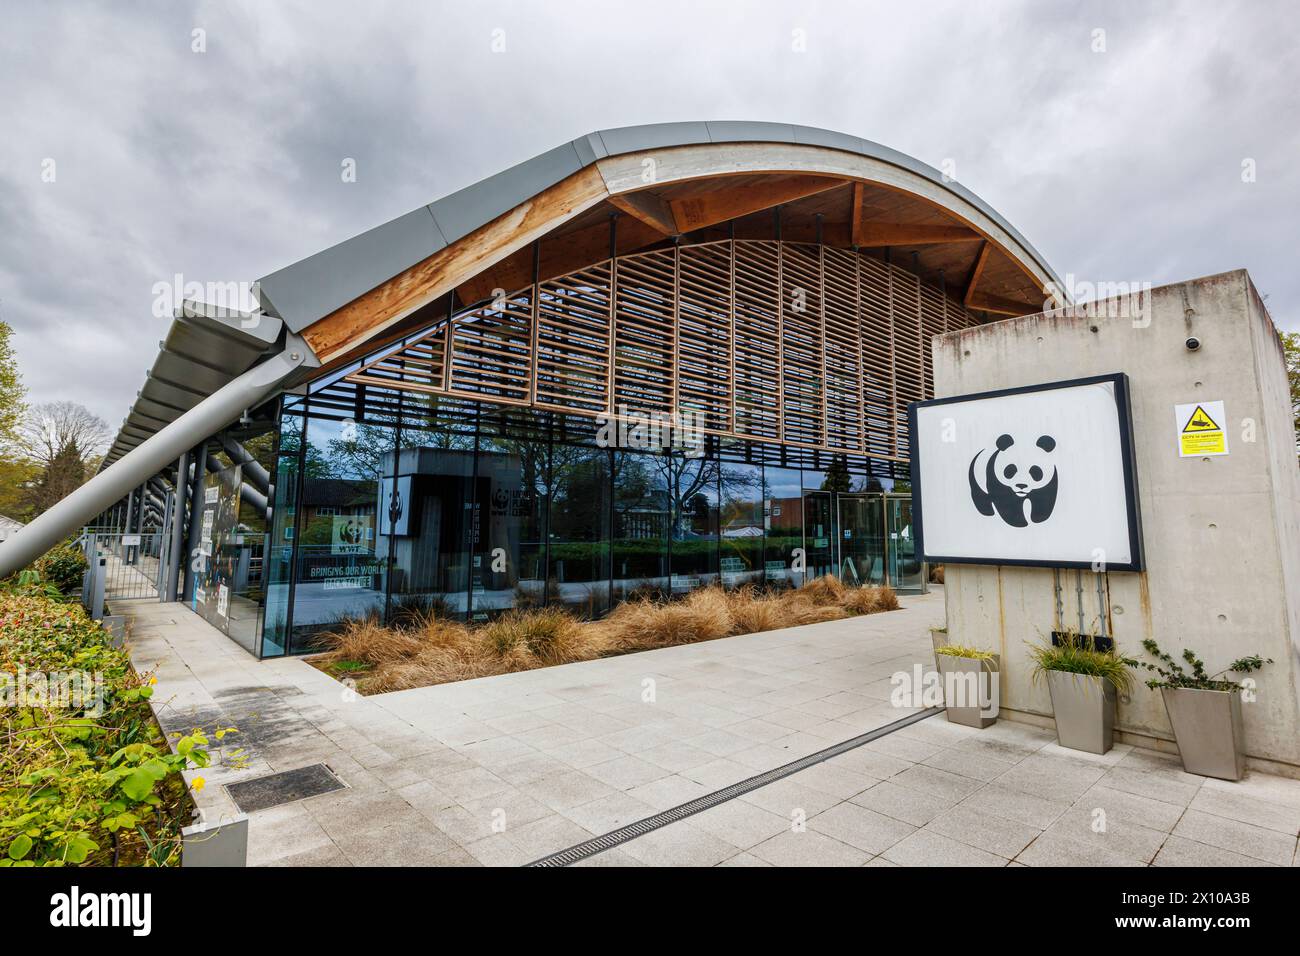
{"x":578,"y":538}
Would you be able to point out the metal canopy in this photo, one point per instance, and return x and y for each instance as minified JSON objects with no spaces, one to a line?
{"x":204,"y":349}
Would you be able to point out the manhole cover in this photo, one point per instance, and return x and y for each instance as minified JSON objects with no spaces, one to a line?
{"x":284,"y":787}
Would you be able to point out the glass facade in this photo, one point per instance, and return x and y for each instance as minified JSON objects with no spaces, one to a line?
{"x":388,"y":505}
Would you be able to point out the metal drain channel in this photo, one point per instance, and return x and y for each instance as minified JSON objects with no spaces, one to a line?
{"x":622,"y":835}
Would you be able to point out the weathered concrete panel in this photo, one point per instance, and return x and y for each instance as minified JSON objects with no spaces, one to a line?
{"x":1222,"y":534}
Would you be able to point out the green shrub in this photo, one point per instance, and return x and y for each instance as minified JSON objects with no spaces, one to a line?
{"x":1078,"y":654}
{"x":1171,"y":674}
{"x":83,"y":782}
{"x":63,"y":567}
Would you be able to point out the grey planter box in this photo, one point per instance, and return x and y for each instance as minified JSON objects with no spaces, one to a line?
{"x":938,"y":637}
{"x":1207,"y":727}
{"x":967,"y":670}
{"x":1084,"y":708}
{"x":224,"y":843}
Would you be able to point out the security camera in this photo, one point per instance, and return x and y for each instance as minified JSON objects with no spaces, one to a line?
{"x":1192,"y":343}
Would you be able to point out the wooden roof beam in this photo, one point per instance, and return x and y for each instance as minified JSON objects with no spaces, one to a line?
{"x":709,"y":209}
{"x":855,"y":215}
{"x":988,"y":302}
{"x":867,"y":235}
{"x":976,"y":271}
{"x":649,"y":209}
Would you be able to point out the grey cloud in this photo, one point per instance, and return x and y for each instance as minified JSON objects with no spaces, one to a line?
{"x":225,"y":165}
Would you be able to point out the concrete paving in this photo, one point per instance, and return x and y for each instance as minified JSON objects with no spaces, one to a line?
{"x":504,"y":770}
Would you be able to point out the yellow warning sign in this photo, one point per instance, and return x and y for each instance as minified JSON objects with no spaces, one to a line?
{"x":1200,"y":422}
{"x":1200,"y":432}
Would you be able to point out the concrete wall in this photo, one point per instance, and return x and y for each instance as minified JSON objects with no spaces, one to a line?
{"x":1222,"y":534}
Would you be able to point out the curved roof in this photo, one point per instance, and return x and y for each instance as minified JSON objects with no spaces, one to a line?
{"x":307,"y":291}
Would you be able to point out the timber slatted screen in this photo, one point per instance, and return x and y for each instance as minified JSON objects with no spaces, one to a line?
{"x":704,"y":341}
{"x":803,"y":367}
{"x":932,"y":324}
{"x":417,"y":366}
{"x":877,"y":332}
{"x":491,"y":353}
{"x":845,"y":391}
{"x":573,"y":342}
{"x":772,"y":341}
{"x":909,"y":377}
{"x":757,"y":350}
{"x":645,"y":333}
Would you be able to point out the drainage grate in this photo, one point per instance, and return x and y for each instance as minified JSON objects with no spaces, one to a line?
{"x":287,"y":786}
{"x":641,"y":827}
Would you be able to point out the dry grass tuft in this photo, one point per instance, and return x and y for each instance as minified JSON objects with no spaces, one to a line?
{"x":430,"y":649}
{"x":702,"y":615}
{"x":825,"y":591}
{"x":870,"y":600}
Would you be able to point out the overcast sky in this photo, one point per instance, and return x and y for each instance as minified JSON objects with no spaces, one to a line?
{"x":1121,"y":164}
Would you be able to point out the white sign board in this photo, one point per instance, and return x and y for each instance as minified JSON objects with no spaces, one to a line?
{"x":394,"y":506}
{"x":1040,"y":476}
{"x":1200,"y":429}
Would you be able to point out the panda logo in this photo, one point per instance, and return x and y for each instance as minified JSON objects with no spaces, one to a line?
{"x":1019,"y":481}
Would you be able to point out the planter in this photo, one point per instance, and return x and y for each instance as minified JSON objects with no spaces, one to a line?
{"x":938,"y":637}
{"x":1084,"y":707}
{"x":978,"y":698}
{"x":1207,"y":727}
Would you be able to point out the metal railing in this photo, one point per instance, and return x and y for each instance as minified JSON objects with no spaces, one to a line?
{"x":123,"y":566}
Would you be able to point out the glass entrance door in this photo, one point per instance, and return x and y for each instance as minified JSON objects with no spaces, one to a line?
{"x":906,"y":570}
{"x":862,"y":539}
{"x":818,"y":534}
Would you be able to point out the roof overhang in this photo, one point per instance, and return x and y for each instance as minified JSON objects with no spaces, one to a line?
{"x":346,"y":296}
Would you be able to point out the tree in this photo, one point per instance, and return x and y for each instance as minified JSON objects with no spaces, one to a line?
{"x":12,"y":392}
{"x":1291,"y":349}
{"x":65,"y":442}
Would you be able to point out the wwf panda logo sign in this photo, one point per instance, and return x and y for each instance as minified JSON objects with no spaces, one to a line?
{"x":1018,"y":483}
{"x":1041,"y":475}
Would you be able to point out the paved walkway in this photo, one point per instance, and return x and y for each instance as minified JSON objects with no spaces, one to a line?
{"x":504,"y":770}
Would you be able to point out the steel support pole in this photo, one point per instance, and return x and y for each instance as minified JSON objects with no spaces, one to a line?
{"x":206,"y":418}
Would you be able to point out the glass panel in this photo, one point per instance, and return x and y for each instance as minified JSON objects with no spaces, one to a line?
{"x":277,"y":553}
{"x":819,"y":534}
{"x":906,"y":572}
{"x":342,"y":559}
{"x":510,"y":498}
{"x":783,"y":525}
{"x":641,"y":521}
{"x":741,"y":522}
{"x":694,"y":491}
{"x":862,"y":539}
{"x":248,"y":545}
{"x":578,"y":534}
{"x":435,"y":514}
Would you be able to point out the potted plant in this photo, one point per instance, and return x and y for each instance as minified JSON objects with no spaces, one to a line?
{"x":1083,"y":682}
{"x":970,"y":684}
{"x":1204,"y":710}
{"x":938,"y":638}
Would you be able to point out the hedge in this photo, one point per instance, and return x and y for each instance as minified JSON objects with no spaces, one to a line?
{"x":82,"y":781}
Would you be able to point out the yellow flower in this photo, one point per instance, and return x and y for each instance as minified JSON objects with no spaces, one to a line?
{"x":198,"y":784}
{"x":152,"y":680}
